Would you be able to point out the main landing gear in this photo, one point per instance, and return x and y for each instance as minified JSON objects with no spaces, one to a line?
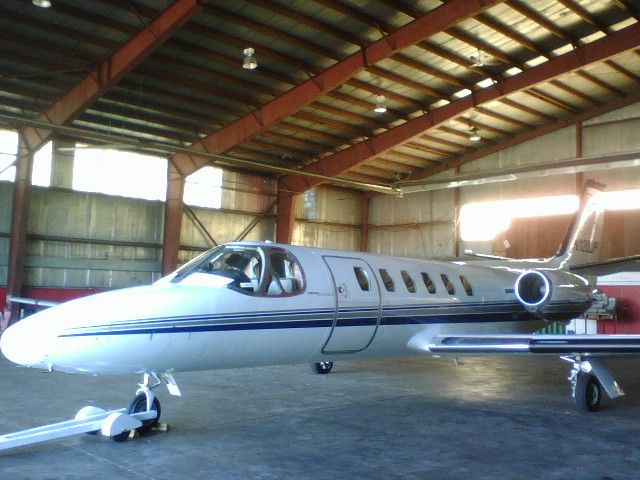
{"x":590,"y":378}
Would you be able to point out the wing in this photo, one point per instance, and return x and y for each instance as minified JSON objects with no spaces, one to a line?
{"x":539,"y":344}
{"x":607,"y":267}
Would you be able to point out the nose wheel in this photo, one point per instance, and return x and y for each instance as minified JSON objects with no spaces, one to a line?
{"x":144,"y":401}
{"x":322,"y":368}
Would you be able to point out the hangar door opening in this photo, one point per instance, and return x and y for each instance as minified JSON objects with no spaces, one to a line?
{"x":357,"y":305}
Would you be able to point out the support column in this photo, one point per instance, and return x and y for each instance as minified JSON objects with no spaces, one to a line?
{"x":284,"y":226}
{"x":173,"y":210}
{"x":364,"y":222}
{"x":19,"y":225}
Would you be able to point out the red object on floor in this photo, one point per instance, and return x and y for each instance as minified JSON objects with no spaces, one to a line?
{"x":625,"y":288}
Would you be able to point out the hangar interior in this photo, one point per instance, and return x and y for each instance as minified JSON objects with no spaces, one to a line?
{"x":418,"y":129}
{"x":362,"y":126}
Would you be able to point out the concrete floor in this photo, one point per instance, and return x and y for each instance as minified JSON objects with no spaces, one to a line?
{"x":497,"y":418}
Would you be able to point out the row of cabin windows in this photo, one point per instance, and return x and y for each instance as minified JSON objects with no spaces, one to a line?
{"x":410,"y":284}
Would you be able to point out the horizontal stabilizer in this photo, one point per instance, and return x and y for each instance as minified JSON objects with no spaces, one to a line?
{"x":607,"y":267}
{"x":540,"y":344}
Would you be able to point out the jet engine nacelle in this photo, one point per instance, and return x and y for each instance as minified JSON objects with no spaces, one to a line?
{"x":552,"y":294}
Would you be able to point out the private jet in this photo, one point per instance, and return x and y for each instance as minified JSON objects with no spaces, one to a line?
{"x":259,"y":303}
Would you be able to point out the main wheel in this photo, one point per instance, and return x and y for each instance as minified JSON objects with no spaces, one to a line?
{"x":588,"y":392}
{"x":322,"y":367}
{"x":139,"y":404}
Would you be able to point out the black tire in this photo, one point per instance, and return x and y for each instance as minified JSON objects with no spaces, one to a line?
{"x":322,"y":368}
{"x":588,"y":392}
{"x":121,"y":437}
{"x":139,"y":404}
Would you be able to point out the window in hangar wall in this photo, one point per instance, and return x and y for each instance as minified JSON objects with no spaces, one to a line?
{"x":41,"y":174}
{"x":483,"y":221}
{"x":204,"y":188}
{"x":114,"y":172}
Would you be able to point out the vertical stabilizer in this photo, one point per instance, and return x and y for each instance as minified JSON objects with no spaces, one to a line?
{"x":584,"y":237}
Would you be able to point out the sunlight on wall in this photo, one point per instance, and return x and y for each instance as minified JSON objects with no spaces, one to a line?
{"x":41,"y":174}
{"x":204,"y":188}
{"x":483,"y":221}
{"x":8,"y":150}
{"x":120,"y":173}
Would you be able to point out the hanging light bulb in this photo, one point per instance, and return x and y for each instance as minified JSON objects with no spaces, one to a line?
{"x":474,"y":136}
{"x":41,"y":3}
{"x":381,"y":104}
{"x":249,"y":61}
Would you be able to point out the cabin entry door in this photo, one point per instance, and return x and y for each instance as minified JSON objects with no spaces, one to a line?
{"x":357,"y":305}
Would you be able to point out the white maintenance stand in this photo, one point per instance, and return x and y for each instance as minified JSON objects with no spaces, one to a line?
{"x":113,"y":423}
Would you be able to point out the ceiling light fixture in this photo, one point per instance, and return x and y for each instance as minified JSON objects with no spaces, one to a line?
{"x":249,"y":61}
{"x":474,"y":136}
{"x":41,"y":3}
{"x":381,"y":104}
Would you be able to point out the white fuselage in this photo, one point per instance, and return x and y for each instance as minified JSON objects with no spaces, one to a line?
{"x":341,"y":305}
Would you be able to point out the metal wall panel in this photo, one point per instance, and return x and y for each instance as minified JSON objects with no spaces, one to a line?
{"x":329,"y":205}
{"x":328,"y":218}
{"x":224,"y":226}
{"x":419,"y":225}
{"x":612,"y":133}
{"x":249,"y":193}
{"x":71,"y":234}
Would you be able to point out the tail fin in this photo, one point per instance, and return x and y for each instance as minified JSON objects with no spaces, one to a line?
{"x":584,"y":237}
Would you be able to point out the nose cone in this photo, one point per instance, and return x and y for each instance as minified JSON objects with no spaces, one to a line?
{"x":23,"y":344}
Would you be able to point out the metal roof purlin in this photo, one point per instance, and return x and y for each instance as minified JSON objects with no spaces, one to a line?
{"x":292,"y":101}
{"x":109,"y":72}
{"x":336,"y":164}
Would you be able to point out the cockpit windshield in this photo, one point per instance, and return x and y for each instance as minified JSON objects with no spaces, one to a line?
{"x":269,"y":271}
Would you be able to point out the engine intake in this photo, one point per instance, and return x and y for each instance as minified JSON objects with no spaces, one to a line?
{"x":554,"y":295}
{"x":533,"y":288}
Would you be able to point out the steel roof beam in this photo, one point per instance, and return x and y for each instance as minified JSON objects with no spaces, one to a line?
{"x":109,"y":72}
{"x":338,"y":163}
{"x":292,"y":101}
{"x":593,"y":112}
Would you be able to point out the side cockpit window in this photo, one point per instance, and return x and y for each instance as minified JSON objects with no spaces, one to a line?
{"x":283,"y":275}
{"x":269,"y":271}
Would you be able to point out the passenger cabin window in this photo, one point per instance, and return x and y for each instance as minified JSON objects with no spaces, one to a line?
{"x":362,"y":277}
{"x":428,"y":283}
{"x":387,"y":281}
{"x":264,"y":271}
{"x":447,"y":284}
{"x":408,"y":281}
{"x":466,"y":285}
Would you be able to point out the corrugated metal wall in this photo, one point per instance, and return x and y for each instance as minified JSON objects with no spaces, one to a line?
{"x":96,"y":241}
{"x":420,"y":225}
{"x":328,"y":218}
{"x":89,"y":240}
{"x":86,"y":240}
{"x":406,"y":221}
{"x":245,"y":198}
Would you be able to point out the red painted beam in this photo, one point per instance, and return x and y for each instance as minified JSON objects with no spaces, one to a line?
{"x":298,"y":97}
{"x":19,"y":224}
{"x":285,"y":218}
{"x":338,"y":163}
{"x":534,"y":133}
{"x":99,"y":81}
{"x":173,"y":210}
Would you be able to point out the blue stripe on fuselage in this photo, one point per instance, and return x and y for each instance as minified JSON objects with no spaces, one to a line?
{"x":391,"y":316}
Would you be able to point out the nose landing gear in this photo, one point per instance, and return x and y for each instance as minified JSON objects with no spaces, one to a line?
{"x":144,"y":401}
